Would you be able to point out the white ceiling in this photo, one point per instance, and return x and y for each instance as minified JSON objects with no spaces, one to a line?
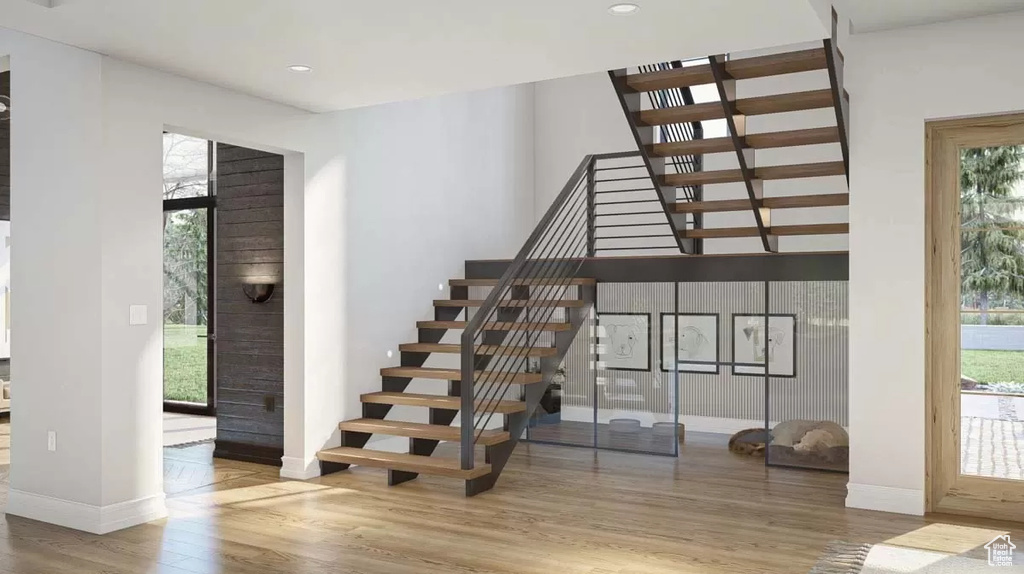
{"x":876,"y":15}
{"x":372,"y":51}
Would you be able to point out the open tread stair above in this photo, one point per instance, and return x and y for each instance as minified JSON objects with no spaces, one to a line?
{"x":454,"y":348}
{"x":740,"y":69}
{"x":419,"y":430}
{"x":790,"y":202}
{"x":496,"y":326}
{"x":405,"y":462}
{"x":456,"y":375}
{"x":796,"y":171}
{"x":434,"y":401}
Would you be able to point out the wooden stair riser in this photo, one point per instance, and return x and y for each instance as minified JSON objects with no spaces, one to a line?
{"x":777,"y":230}
{"x":454,"y":375}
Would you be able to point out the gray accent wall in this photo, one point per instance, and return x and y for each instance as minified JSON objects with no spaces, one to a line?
{"x":250,"y":337}
{"x":5,"y":153}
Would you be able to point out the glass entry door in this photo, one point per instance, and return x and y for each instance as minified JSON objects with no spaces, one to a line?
{"x":189,"y":280}
{"x":975,"y":317}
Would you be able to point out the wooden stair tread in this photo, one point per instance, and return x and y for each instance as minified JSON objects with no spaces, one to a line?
{"x":510,"y":303}
{"x":703,"y":178}
{"x":496,"y":326}
{"x":795,"y":171}
{"x":436,"y":402}
{"x":760,"y":105}
{"x":419,"y":430}
{"x":454,"y":348}
{"x":811,"y":229}
{"x":788,"y":202}
{"x":807,"y":229}
{"x":401,"y":461}
{"x":538,"y":281}
{"x":692,"y":147}
{"x":792,"y":138}
{"x":777,"y":64}
{"x":779,"y":103}
{"x":740,"y":69}
{"x":456,"y":375}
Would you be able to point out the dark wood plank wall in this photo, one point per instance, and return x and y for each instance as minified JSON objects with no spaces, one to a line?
{"x":5,"y":153}
{"x":250,"y":337}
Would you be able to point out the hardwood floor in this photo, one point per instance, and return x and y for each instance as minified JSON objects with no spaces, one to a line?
{"x":554,"y":509}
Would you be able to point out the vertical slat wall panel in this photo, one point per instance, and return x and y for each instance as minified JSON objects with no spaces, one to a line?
{"x":819,"y":391}
{"x":250,"y":337}
{"x":5,"y":153}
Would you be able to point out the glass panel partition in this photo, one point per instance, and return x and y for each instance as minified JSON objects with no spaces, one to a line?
{"x":718,"y":358}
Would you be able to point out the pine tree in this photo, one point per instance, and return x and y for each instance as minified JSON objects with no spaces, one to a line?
{"x":992,"y":240}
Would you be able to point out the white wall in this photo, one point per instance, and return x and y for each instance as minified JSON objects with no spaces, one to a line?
{"x":391,"y":201}
{"x":415,"y":189}
{"x":898,"y":80}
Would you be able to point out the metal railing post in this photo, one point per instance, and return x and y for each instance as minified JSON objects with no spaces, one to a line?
{"x":591,"y":209}
{"x":467,"y":389}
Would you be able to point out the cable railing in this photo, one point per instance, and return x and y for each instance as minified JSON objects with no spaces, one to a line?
{"x":628,"y":216}
{"x":537,"y":291}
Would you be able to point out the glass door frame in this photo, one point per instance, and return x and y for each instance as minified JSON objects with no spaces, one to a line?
{"x":209,"y":203}
{"x":947,"y":489}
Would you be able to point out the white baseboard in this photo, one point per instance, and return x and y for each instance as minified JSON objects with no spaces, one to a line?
{"x":86,"y":517}
{"x":885,"y":499}
{"x":295,"y":468}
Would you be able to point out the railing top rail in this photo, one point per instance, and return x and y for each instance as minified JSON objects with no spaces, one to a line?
{"x":507,"y":278}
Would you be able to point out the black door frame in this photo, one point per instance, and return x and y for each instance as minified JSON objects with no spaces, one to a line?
{"x":209,"y":203}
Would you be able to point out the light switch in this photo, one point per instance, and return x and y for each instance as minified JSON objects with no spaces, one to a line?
{"x":137,"y":315}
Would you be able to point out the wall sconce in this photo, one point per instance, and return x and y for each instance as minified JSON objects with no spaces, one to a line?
{"x":5,"y":108}
{"x":259,"y":292}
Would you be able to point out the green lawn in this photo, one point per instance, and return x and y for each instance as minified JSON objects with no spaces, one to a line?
{"x":993,"y":366}
{"x":185,"y":363}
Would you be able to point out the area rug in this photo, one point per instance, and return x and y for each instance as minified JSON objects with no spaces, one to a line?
{"x":847,"y":558}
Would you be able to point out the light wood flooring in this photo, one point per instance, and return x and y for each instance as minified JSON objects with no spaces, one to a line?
{"x":555,"y":509}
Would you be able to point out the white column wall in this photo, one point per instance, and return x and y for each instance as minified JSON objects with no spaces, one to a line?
{"x":897,"y":81}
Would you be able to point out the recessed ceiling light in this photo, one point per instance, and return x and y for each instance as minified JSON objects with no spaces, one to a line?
{"x":623,"y":9}
{"x":300,"y":68}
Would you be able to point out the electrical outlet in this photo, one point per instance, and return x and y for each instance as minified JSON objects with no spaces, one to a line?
{"x":270,"y":403}
{"x":51,"y":441}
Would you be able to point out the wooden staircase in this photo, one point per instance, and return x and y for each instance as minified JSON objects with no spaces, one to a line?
{"x":686,"y":209}
{"x":442,"y":407}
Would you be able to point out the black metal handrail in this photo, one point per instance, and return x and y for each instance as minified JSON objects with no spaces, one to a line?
{"x":626,"y":217}
{"x":550,"y":259}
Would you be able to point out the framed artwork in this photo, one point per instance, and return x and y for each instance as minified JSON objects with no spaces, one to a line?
{"x":749,"y":345}
{"x":697,"y":343}
{"x":624,"y":341}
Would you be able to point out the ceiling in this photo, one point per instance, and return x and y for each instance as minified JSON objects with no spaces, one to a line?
{"x":372,"y":51}
{"x":877,"y":15}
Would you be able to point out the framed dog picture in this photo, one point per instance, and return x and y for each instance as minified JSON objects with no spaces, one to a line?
{"x":693,"y":338}
{"x":751,"y":342}
{"x":624,"y":341}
